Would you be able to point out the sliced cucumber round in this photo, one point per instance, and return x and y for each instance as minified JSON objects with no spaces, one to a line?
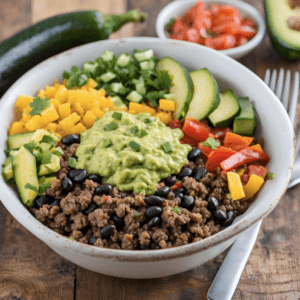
{"x":182,"y":85}
{"x":206,"y":97}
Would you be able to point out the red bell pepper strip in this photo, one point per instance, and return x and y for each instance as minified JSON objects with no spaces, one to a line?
{"x":258,"y":170}
{"x":205,"y":151}
{"x":177,"y":185}
{"x":217,"y":156}
{"x":247,"y":155}
{"x":219,"y":133}
{"x":236,"y":142}
{"x":195,"y":130}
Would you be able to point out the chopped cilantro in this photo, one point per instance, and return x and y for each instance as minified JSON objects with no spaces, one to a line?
{"x":170,"y":23}
{"x":149,"y":120}
{"x":271,"y":175}
{"x":167,"y":147}
{"x":43,"y":187}
{"x":72,"y":161}
{"x":143,"y":133}
{"x":111,"y":126}
{"x":211,"y":143}
{"x":154,"y":96}
{"x":164,"y":80}
{"x":58,"y":151}
{"x":70,"y":238}
{"x":136,"y":215}
{"x":38,"y":105}
{"x":45,"y":157}
{"x":134,"y":145}
{"x":176,"y":210}
{"x":30,"y":187}
{"x":117,"y":115}
{"x":49,"y":140}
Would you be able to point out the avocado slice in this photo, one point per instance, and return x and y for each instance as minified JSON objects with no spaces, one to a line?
{"x":282,"y":16}
{"x":51,"y":167}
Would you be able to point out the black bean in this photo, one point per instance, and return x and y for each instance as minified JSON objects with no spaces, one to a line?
{"x":187,"y":202}
{"x":154,"y":201}
{"x":199,"y":172}
{"x":40,"y":201}
{"x":219,"y":214}
{"x":118,"y":222}
{"x":67,"y":184}
{"x":142,"y":247}
{"x":212,"y":203}
{"x":153,"y":211}
{"x":154,"y":222}
{"x":90,"y":208}
{"x":229,"y":220}
{"x":178,"y":193}
{"x":123,"y":194}
{"x":107,"y":231}
{"x":70,"y":139}
{"x":103,"y":189}
{"x":162,"y":191}
{"x":154,"y":246}
{"x":184,"y":172}
{"x":170,"y":180}
{"x":194,"y":154}
{"x":95,"y":178}
{"x":85,"y":230}
{"x":78,"y":175}
{"x":93,"y":240}
{"x":55,"y":203}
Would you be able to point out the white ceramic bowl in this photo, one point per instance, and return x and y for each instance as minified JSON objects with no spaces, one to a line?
{"x":178,"y":8}
{"x":273,"y":124}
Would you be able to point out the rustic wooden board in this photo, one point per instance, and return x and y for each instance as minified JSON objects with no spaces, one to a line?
{"x":31,"y":270}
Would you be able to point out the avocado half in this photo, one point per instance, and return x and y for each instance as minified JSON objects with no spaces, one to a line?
{"x":283,"y":18}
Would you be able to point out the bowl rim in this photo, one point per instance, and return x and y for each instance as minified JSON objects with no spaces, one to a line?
{"x":240,"y":5}
{"x":50,"y":237}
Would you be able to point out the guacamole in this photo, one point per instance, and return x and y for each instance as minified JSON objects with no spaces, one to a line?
{"x":132,"y":152}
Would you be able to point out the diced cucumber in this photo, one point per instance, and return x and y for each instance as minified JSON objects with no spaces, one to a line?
{"x":143,"y":55}
{"x":182,"y":85}
{"x":169,"y":97}
{"x":24,"y":168}
{"x":134,"y":96}
{"x":39,"y":134}
{"x":124,"y":60}
{"x":7,"y":170}
{"x":108,"y":55}
{"x":228,"y":108}
{"x":106,"y":77}
{"x":245,"y":122}
{"x":15,"y":141}
{"x":147,"y":65}
{"x":206,"y":97}
{"x":118,"y":102}
{"x":90,"y":67}
{"x":116,"y":87}
{"x":51,"y":167}
{"x":140,"y":86}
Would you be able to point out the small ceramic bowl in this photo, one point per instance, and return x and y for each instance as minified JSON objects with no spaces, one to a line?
{"x":272,"y":124}
{"x":179,"y":7}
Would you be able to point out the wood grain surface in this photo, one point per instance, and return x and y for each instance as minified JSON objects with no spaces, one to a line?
{"x":31,"y":270}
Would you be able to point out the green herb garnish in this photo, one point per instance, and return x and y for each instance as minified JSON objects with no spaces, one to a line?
{"x":43,"y":187}
{"x":70,"y":238}
{"x":170,"y":23}
{"x":30,"y":187}
{"x":111,"y":126}
{"x":38,"y":105}
{"x":117,"y":115}
{"x":154,"y":96}
{"x":211,"y":143}
{"x":143,"y":133}
{"x":136,"y":215}
{"x":176,"y":210}
{"x":45,"y":157}
{"x":108,"y":144}
{"x":271,"y":175}
{"x":134,"y":145}
{"x":134,"y":129}
{"x":58,"y":151}
{"x":149,"y":120}
{"x":167,"y":147}
{"x":49,"y":140}
{"x":72,"y":161}
{"x":29,"y":146}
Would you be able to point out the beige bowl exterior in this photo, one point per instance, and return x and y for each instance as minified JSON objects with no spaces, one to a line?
{"x":272,"y":123}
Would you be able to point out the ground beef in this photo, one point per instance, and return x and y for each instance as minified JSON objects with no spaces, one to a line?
{"x":82,"y":215}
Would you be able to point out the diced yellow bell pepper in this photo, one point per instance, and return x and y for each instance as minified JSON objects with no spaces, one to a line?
{"x":61,"y":94}
{"x":97,"y":112}
{"x":235,"y":186}
{"x":164,"y":117}
{"x":66,"y":125}
{"x":91,"y":83}
{"x":55,"y":103}
{"x":102,"y":92}
{"x":253,"y":185}
{"x":23,"y":101}
{"x":17,"y":127}
{"x":52,"y":127}
{"x":240,"y":171}
{"x":166,"y":105}
{"x":88,"y":119}
{"x":50,"y":91}
{"x":78,"y":128}
{"x":42,"y":94}
{"x":74,"y":117}
{"x":49,"y":114}
{"x":135,"y":108}
{"x":83,"y":99}
{"x":83,"y":88}
{"x":36,"y":122}
{"x":72,"y":97}
{"x":64,"y":110}
{"x":25,"y":117}
{"x":78,"y":108}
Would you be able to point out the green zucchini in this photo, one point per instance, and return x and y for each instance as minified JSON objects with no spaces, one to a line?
{"x":29,"y":47}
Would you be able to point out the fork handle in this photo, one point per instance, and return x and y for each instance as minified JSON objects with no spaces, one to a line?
{"x":230,"y":272}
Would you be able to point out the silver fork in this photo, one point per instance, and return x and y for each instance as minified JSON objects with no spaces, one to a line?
{"x":230,"y":272}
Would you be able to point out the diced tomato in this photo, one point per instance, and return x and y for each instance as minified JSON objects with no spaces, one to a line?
{"x":241,"y":40}
{"x":195,"y":130}
{"x":190,"y":16}
{"x":221,"y":42}
{"x":192,"y":35}
{"x":214,"y":9}
{"x":244,"y":178}
{"x":205,"y":151}
{"x":177,"y":185}
{"x":188,"y":140}
{"x":258,"y":170}
{"x":179,"y":26}
{"x":247,"y":31}
{"x":248,"y":22}
{"x":219,"y":133}
{"x":236,"y":142}
{"x":217,"y":156}
{"x":175,"y":124}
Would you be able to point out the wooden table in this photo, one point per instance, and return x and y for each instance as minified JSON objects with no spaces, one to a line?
{"x":31,"y":270}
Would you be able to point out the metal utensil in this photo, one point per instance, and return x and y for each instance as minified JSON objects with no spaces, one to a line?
{"x":230,"y":272}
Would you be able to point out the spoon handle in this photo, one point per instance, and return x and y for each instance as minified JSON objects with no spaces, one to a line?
{"x":229,"y":274}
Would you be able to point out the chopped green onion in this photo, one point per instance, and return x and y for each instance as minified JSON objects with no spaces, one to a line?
{"x":108,"y":144}
{"x":149,"y":120}
{"x":134,"y":145}
{"x":72,"y":161}
{"x":46,"y":157}
{"x":143,"y":133}
{"x":176,"y":210}
{"x":229,"y":196}
{"x":111,"y":126}
{"x":271,"y":175}
{"x":117,"y":115}
{"x":70,"y":238}
{"x":136,"y":215}
{"x":30,"y":187}
{"x":134,"y":129}
{"x":58,"y":151}
{"x":167,"y":147}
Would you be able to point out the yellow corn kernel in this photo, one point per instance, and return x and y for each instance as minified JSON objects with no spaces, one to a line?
{"x":235,"y":186}
{"x":164,"y":117}
{"x":17,"y":127}
{"x":240,"y":171}
{"x":91,"y":83}
{"x":64,"y":110}
{"x":65,"y":82}
{"x":97,"y":112}
{"x":74,"y":117}
{"x":78,"y":108}
{"x":78,"y":128}
{"x":23,"y":101}
{"x":166,"y":105}
{"x":61,"y":94}
{"x":50,"y":91}
{"x":42,"y":94}
{"x":88,"y":119}
{"x":72,"y":96}
{"x":49,"y":114}
{"x":55,"y":103}
{"x":36,"y":122}
{"x":253,"y":185}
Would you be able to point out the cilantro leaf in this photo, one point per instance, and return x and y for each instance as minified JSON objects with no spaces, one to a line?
{"x":30,"y":187}
{"x":43,"y":187}
{"x":176,"y":210}
{"x":271,"y":175}
{"x":38,"y":105}
{"x":49,"y":140}
{"x":154,"y":96}
{"x":78,"y":78}
{"x":46,"y":157}
{"x":170,"y":23}
{"x":72,"y":161}
{"x":164,"y":80}
{"x":211,"y":143}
